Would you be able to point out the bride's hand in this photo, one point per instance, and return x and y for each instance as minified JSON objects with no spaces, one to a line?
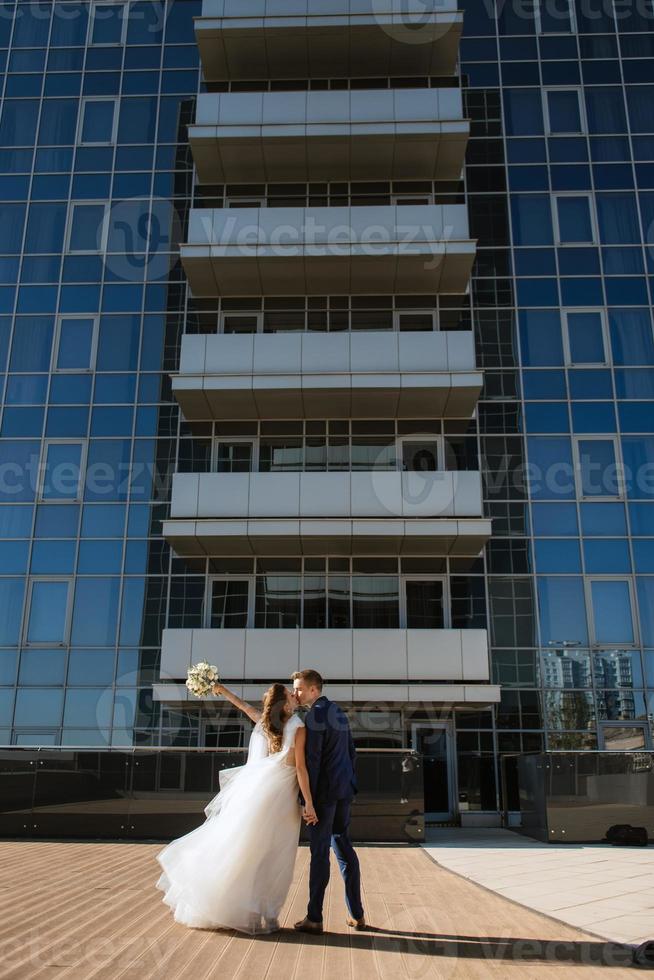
{"x":217,"y":688}
{"x":309,"y":815}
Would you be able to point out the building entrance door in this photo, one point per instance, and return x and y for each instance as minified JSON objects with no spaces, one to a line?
{"x":435,"y":744}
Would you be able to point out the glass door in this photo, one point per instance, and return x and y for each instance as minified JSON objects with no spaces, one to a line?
{"x":420,"y":454}
{"x":423,"y":603}
{"x":235,"y":456}
{"x":231,"y":602}
{"x":434,"y":743}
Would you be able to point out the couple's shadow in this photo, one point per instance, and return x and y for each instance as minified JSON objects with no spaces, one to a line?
{"x":491,"y":948}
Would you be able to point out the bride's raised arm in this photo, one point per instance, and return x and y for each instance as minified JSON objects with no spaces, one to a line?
{"x":253,"y":713}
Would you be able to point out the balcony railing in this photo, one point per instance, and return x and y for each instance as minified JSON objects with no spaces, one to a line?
{"x":254,"y":39}
{"x":423,"y":249}
{"x":365,"y":374}
{"x":259,"y":137}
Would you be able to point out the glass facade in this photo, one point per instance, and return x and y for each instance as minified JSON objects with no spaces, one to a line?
{"x":96,"y":183}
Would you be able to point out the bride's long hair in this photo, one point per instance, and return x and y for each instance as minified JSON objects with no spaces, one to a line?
{"x":274,"y":716}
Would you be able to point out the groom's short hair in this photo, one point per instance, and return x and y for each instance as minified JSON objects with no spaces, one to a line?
{"x":312,"y":677}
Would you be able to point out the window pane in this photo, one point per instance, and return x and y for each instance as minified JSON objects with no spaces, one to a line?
{"x":42,"y":704}
{"x":86,"y":229}
{"x":597,"y":468}
{"x":107,"y":23}
{"x":98,"y":121}
{"x":612,"y":612}
{"x":42,"y":667}
{"x":564,"y":112}
{"x":424,"y":605}
{"x":562,"y":609}
{"x":75,"y":343}
{"x":61,"y":475}
{"x":101,"y":596}
{"x":375,"y":602}
{"x":339,"y":602}
{"x":585,"y":337}
{"x":47,"y":620}
{"x":574,"y":219}
{"x":277,"y":602}
{"x":315,"y":606}
{"x":229,"y":604}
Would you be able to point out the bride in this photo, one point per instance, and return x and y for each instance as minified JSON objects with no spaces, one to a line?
{"x":234,"y":871}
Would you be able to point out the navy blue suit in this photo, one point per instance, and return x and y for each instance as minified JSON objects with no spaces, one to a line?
{"x":331,"y":757}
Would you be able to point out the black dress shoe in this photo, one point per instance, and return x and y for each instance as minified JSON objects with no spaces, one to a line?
{"x":306,"y":925}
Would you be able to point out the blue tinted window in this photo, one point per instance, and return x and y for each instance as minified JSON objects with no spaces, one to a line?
{"x":553,"y":555}
{"x":8,"y":660}
{"x":53,"y":558}
{"x":86,"y":231}
{"x":45,"y":228}
{"x":636,"y":416}
{"x":90,"y":707}
{"x":97,"y":557}
{"x":610,"y":557}
{"x":540,"y":337}
{"x":58,"y":122}
{"x":531,"y":219}
{"x":593,"y":417}
{"x":598,"y":468}
{"x":91,"y":667}
{"x":612,"y":613}
{"x":546,"y":417}
{"x":574,"y":219}
{"x":56,"y":520}
{"x":551,"y":471}
{"x":618,"y":218}
{"x":62,"y":471}
{"x":103,"y":521}
{"x":42,"y":667}
{"x":138,"y":119}
{"x":11,"y":606}
{"x":543,"y":384}
{"x":585,"y":383}
{"x":67,"y":422}
{"x":523,"y":112}
{"x":75,"y":343}
{"x":642,"y":519}
{"x":18,"y":461}
{"x":631,"y":336}
{"x":34,"y":703}
{"x":562,"y":609}
{"x":603,"y":519}
{"x":22,"y":422}
{"x":15,"y":521}
{"x":100,"y":595}
{"x":107,"y":469}
{"x":118,"y":343}
{"x":554,"y":519}
{"x":26,"y":389}
{"x":98,"y":121}
{"x":114,"y":388}
{"x":48,"y":612}
{"x":585,"y":338}
{"x":634,"y":383}
{"x":72,"y":389}
{"x":563,"y":110}
{"x":13,"y":556}
{"x":18,"y":123}
{"x":605,"y":109}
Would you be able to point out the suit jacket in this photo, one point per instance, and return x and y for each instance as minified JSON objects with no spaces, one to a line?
{"x":330,"y":753}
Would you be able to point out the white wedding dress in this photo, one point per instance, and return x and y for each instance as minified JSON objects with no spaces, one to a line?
{"x":234,"y":870}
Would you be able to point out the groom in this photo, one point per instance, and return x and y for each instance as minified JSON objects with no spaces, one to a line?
{"x":330,"y":758}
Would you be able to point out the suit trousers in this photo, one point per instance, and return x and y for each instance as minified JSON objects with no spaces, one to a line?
{"x":332,"y":830}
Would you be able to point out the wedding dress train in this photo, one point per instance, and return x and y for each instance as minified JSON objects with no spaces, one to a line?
{"x":234,"y":870}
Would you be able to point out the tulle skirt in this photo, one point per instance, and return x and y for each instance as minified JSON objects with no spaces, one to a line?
{"x":234,"y":871}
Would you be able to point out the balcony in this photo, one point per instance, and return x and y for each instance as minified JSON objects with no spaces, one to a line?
{"x":327,"y":38}
{"x":259,"y":137}
{"x":371,"y":512}
{"x":328,"y":251}
{"x":448,"y":666}
{"x":363,"y":374}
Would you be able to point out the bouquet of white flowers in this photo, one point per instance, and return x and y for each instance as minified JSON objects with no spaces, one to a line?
{"x":201,"y":678}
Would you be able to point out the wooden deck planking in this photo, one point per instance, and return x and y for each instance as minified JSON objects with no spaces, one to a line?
{"x":90,"y":911}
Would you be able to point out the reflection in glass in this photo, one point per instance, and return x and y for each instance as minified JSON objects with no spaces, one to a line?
{"x":564,"y":668}
{"x":569,"y":709}
{"x":375,"y":602}
{"x":598,"y":468}
{"x":617,"y":668}
{"x":229,"y":603}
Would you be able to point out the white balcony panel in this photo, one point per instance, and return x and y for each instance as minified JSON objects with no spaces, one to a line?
{"x":328,"y":375}
{"x":327,"y":38}
{"x":327,"y":251}
{"x":310,"y":513}
{"x":342,"y":656}
{"x":358,"y":494}
{"x":404,"y":134}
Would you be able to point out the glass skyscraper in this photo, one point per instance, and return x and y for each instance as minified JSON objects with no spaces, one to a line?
{"x":326,"y":340}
